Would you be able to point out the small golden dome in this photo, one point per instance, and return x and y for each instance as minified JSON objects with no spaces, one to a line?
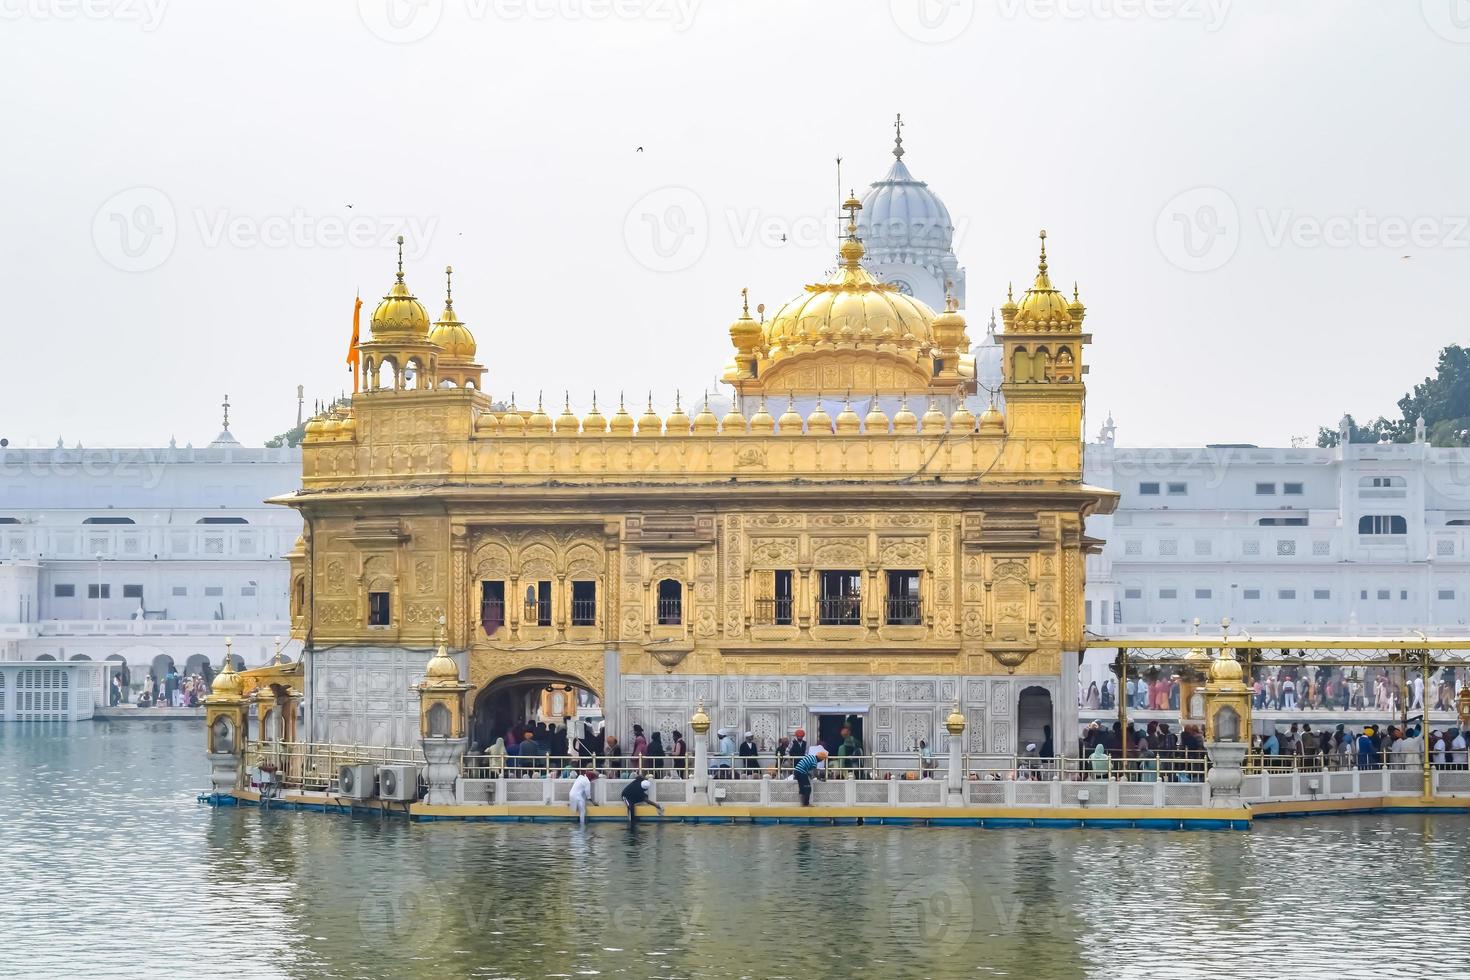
{"x":539,"y":424}
{"x":1075,"y":307}
{"x":349,"y":425}
{"x":678,"y":421}
{"x":313,"y":427}
{"x":567,"y":423}
{"x":876,"y":422}
{"x":441,"y":668}
{"x":733,"y":424}
{"x":621,"y":423}
{"x":934,"y":419}
{"x":905,"y":420}
{"x":400,"y":314}
{"x":649,"y":424}
{"x":955,"y":723}
{"x":789,"y":424}
{"x":819,"y":423}
{"x":848,"y":422}
{"x":512,"y":423}
{"x":745,"y":333}
{"x":1225,"y":669}
{"x":949,"y":326}
{"x":227,"y":682}
{"x":992,"y":422}
{"x":699,"y":721}
{"x":705,"y":423}
{"x":449,"y":333}
{"x":595,"y":423}
{"x":1043,"y":307}
{"x":963,"y":420}
{"x":487,"y":424}
{"x":761,"y":422}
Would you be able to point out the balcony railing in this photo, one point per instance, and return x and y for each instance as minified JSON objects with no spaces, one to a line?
{"x":904,"y":611}
{"x":773,"y":612}
{"x":584,"y":612}
{"x":538,"y":613}
{"x":670,"y":612}
{"x":840,"y":611}
{"x":492,"y":615}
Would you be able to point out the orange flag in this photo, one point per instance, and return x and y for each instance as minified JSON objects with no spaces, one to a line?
{"x":354,"y":355}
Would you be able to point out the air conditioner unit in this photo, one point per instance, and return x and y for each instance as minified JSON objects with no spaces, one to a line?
{"x":357,"y":782}
{"x":398,"y":783}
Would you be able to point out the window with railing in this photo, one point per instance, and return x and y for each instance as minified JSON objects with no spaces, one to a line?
{"x":492,"y":607}
{"x":584,"y":603}
{"x":903,"y":607}
{"x":1382,"y":524}
{"x":670,"y":602}
{"x":840,"y":601}
{"x":773,"y":597}
{"x":538,"y":604}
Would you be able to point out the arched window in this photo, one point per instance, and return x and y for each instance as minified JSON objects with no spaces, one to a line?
{"x":1382,"y":524}
{"x":670,"y":602}
{"x":109,"y":520}
{"x":439,"y":720}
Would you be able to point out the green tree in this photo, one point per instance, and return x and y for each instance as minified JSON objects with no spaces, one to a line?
{"x":292,"y":438}
{"x":1442,"y":400}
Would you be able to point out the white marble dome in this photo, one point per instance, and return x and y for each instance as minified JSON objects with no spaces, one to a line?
{"x":901,"y":214}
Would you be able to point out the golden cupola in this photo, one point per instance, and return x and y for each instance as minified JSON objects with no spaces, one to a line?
{"x":400,"y":354}
{"x":851,"y":332}
{"x":400,"y":314}
{"x":1043,"y":308}
{"x":457,"y":362}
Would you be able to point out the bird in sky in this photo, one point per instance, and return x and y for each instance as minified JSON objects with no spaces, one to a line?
{"x":640,"y":149}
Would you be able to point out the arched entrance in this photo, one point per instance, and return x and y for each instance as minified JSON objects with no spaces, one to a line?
{"x":533,"y":696}
{"x":195,"y":664}
{"x":1034,"y":719}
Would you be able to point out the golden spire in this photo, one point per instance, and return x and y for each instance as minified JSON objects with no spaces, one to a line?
{"x":449,"y":287}
{"x":852,"y":249}
{"x":400,"y":258}
{"x":745,"y":301}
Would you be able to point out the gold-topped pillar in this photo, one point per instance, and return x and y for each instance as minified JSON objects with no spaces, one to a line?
{"x":224,"y":726}
{"x":1227,"y":728}
{"x":699,"y":725}
{"x":442,"y":724}
{"x":955,"y":726}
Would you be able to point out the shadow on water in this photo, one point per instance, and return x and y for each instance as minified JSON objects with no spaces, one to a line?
{"x":115,"y":870}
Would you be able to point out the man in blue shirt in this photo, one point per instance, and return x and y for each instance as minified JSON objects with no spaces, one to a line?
{"x":805,"y":766}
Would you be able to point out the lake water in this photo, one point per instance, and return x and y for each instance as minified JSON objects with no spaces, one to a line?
{"x":110,"y":868}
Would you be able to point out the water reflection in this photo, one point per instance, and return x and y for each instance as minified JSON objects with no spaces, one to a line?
{"x":115,"y":870}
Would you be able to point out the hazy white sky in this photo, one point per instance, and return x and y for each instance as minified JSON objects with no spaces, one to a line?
{"x":1235,"y":185}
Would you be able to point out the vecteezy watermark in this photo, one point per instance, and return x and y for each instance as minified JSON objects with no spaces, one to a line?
{"x":300,"y":229}
{"x":934,"y":912}
{"x":147,"y":14}
{"x":1198,"y":230}
{"x":1450,"y":19}
{"x":137,"y":229}
{"x":1209,"y":13}
{"x":407,"y":21}
{"x":1363,"y":229}
{"x":667,"y":230}
{"x":932,"y":21}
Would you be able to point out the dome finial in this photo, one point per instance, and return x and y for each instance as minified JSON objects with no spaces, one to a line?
{"x":1041,"y":266}
{"x":851,"y":251}
{"x":400,"y":258}
{"x":898,"y":136}
{"x":745,"y":301}
{"x":449,"y":287}
{"x":950,"y":303}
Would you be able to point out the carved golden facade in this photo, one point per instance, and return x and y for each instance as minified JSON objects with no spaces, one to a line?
{"x":564,"y":548}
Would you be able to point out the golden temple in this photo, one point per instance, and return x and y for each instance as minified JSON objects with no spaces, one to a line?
{"x":781,"y":570}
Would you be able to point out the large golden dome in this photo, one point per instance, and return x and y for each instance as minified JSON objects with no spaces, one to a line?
{"x":400,"y":314}
{"x":449,"y":332}
{"x":851,"y":310}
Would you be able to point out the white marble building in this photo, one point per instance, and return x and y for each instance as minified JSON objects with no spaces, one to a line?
{"x":1359,"y":538}
{"x":144,"y":555}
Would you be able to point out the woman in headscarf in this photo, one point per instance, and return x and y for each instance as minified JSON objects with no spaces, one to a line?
{"x":1100,"y":762}
{"x":677,"y":753}
{"x":1093,"y":698}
